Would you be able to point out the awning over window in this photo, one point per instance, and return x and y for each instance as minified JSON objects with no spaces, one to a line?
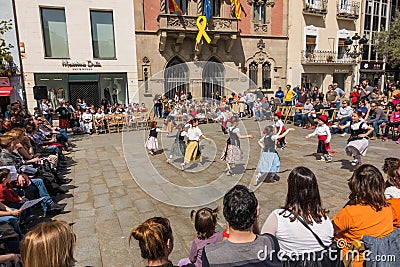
{"x":5,"y":90}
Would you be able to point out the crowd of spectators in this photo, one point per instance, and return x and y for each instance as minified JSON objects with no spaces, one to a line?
{"x":33,"y":159}
{"x":300,"y":233}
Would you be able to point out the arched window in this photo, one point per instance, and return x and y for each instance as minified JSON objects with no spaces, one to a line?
{"x":176,"y":77}
{"x":182,"y":4}
{"x":213,"y":79}
{"x":266,"y":75}
{"x":253,"y":73}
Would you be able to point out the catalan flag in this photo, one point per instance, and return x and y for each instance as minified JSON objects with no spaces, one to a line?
{"x":173,"y":7}
{"x":238,"y":8}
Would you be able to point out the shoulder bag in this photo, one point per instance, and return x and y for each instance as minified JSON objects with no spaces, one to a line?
{"x":330,"y":256}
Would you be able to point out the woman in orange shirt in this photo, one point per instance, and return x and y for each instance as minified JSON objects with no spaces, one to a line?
{"x":366,"y":213}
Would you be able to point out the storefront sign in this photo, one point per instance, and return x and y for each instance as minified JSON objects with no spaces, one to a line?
{"x":341,"y":71}
{"x":365,"y":65}
{"x":76,"y":65}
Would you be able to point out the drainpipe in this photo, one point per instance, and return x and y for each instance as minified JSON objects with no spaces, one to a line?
{"x":19,"y":52}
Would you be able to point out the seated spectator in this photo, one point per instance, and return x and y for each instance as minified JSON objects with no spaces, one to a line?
{"x":393,"y":194}
{"x":156,"y":241}
{"x":363,"y":107}
{"x":367,"y":212}
{"x":87,"y":119}
{"x":205,"y":221}
{"x":10,"y":216}
{"x":306,"y":113}
{"x":375,"y":119}
{"x":343,"y":117}
{"x":317,"y":111}
{"x":49,"y":244}
{"x":303,"y":202}
{"x":243,"y":246}
{"x":393,"y":122}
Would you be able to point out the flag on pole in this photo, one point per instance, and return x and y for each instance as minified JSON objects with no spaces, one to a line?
{"x":238,"y":8}
{"x":173,"y":7}
{"x":207,"y":9}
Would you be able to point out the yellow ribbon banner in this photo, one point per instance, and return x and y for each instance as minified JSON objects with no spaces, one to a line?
{"x":201,"y":25}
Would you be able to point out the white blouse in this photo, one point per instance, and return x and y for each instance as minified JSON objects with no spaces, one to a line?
{"x":294,"y":236}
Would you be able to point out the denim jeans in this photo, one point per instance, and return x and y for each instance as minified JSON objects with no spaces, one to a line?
{"x":38,"y":187}
{"x":259,"y":114}
{"x":49,"y":118}
{"x":376,"y":125}
{"x":343,"y":121}
{"x":13,"y":221}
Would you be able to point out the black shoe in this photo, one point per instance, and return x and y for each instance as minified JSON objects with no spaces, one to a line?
{"x":62,"y":190}
{"x":53,"y":207}
{"x":64,"y":181}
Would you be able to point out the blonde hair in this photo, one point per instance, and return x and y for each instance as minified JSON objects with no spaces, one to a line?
{"x":49,"y":244}
{"x":153,"y":237}
{"x":5,"y":141}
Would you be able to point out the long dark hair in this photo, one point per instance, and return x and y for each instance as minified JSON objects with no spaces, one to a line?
{"x":367,"y":187}
{"x":303,"y":197}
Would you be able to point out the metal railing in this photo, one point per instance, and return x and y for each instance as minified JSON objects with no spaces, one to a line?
{"x":348,"y":9}
{"x":319,"y":7}
{"x":325,"y":57}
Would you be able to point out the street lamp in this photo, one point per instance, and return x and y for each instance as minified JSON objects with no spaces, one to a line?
{"x":357,"y":47}
{"x":354,"y":53}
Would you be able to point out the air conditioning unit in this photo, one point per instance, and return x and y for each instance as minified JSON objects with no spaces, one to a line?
{"x":4,"y":81}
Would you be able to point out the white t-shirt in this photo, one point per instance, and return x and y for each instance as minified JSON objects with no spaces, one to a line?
{"x":279,"y":124}
{"x":392,"y":192}
{"x":194,"y":133}
{"x":294,"y":236}
{"x":86,"y":116}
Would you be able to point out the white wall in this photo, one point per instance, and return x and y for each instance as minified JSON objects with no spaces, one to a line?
{"x":77,"y":15}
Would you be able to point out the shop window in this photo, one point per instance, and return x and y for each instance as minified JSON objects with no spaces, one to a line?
{"x":253,"y":74}
{"x":54,"y":33}
{"x":103,"y":40}
{"x":57,"y":86}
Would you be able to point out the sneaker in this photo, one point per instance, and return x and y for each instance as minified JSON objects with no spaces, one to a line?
{"x":183,"y":166}
{"x":329,"y":159}
{"x":373,"y":138}
{"x":169,"y":161}
{"x":256,"y":179}
{"x":200,"y":164}
{"x":321,"y":159}
{"x":152,"y":153}
{"x":343,"y":135}
{"x":229,"y":173}
{"x":354,"y":162}
{"x":384,"y":139}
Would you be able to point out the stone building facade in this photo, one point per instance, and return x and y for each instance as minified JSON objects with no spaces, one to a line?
{"x":255,"y":45}
{"x":317,"y":30}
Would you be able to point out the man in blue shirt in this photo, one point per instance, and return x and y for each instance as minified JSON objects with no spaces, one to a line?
{"x":339,"y":92}
{"x":280,"y":94}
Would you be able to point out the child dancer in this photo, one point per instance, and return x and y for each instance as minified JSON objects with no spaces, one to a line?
{"x":232,"y":152}
{"x":269,"y":163}
{"x":324,"y":138}
{"x":280,"y":127}
{"x":179,"y":147}
{"x":357,"y":144}
{"x":152,"y":143}
{"x":205,"y":222}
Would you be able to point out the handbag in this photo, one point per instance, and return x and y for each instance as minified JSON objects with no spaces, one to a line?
{"x":330,"y":256}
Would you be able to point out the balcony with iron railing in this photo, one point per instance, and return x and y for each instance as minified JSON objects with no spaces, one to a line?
{"x":317,"y":57}
{"x":348,"y":10}
{"x":315,"y":7}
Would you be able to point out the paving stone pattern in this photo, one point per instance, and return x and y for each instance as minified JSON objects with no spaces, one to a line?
{"x":108,"y":202}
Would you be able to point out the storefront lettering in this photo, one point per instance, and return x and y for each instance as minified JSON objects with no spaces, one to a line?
{"x":341,"y":71}
{"x":76,"y":64}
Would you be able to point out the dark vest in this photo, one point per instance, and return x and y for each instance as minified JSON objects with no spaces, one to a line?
{"x":269,"y":144}
{"x":234,"y":138}
{"x":354,"y":133}
{"x":153,"y":133}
